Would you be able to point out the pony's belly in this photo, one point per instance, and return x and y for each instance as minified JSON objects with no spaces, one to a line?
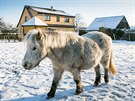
{"x":63,"y":66}
{"x":87,"y":67}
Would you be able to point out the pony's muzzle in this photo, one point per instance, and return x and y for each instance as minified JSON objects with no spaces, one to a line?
{"x":27,"y":65}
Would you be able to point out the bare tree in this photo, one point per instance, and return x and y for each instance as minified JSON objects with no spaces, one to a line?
{"x":6,"y":27}
{"x":2,"y":24}
{"x":79,"y":22}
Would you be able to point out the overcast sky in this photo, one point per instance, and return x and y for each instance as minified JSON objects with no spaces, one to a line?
{"x":10,"y":10}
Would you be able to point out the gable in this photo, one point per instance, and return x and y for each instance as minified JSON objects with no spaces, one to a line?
{"x":26,"y":12}
{"x":123,"y":24}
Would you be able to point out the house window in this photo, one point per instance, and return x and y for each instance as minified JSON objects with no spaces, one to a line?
{"x":57,"y":18}
{"x":26,"y":18}
{"x":47,"y":17}
{"x":66,"y":19}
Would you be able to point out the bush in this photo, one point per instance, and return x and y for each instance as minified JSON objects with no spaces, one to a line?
{"x":113,"y":33}
{"x":129,"y":36}
{"x":10,"y":36}
{"x":81,"y":32}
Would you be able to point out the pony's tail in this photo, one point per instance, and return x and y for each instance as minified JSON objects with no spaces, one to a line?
{"x":112,"y":67}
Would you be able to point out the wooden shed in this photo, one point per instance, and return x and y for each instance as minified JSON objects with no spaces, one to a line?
{"x":113,"y":22}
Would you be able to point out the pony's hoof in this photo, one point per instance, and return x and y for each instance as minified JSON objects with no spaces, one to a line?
{"x":96,"y":83}
{"x":78,"y":92}
{"x":106,"y":81}
{"x":49,"y":96}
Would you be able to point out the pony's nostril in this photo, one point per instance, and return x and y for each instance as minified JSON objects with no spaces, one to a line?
{"x":25,"y":65}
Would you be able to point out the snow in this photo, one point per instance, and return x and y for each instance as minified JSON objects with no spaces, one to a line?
{"x":18,"y":84}
{"x":35,"y":22}
{"x":107,"y":22}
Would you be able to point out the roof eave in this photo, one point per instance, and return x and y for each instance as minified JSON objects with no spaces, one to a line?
{"x":56,"y":14}
{"x":34,"y":25}
{"x":21,"y":16}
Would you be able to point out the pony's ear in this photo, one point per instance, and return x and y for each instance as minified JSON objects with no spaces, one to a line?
{"x":27,"y":36}
{"x":39,"y":35}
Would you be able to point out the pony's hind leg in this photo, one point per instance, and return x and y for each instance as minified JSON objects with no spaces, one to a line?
{"x":105,"y":65}
{"x":98,"y":75}
{"x":77,"y":79}
{"x":106,"y":77}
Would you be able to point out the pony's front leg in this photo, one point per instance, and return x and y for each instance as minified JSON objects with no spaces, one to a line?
{"x":77,"y":79}
{"x":57,"y":76}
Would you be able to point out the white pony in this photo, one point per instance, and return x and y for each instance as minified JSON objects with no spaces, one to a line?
{"x":69,"y":52}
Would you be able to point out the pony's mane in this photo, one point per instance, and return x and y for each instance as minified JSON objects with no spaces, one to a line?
{"x":30,"y":34}
{"x":54,"y":39}
{"x":61,"y":38}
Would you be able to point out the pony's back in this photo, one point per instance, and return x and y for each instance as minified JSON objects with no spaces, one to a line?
{"x":103,"y":40}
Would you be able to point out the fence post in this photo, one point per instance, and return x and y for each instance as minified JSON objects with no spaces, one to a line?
{"x":8,"y":37}
{"x":114,"y":36}
{"x":14,"y":37}
{"x":129,"y":37}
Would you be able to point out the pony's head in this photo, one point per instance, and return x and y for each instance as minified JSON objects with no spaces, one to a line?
{"x":36,"y":49}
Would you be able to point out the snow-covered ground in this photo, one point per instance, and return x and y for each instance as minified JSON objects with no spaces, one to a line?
{"x":17,"y":84}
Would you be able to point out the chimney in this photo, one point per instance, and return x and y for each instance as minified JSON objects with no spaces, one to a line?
{"x":52,"y":8}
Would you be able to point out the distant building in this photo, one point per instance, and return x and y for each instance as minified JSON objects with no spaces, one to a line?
{"x":45,"y":18}
{"x":114,"y":22}
{"x":132,"y":28}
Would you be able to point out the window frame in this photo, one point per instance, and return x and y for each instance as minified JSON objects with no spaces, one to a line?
{"x":67,"y":19}
{"x":57,"y":18}
{"x":26,"y":18}
{"x":47,"y":17}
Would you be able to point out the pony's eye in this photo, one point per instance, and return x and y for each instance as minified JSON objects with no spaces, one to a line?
{"x":34,"y":48}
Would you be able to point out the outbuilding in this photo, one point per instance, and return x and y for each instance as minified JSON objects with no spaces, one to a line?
{"x":113,"y":22}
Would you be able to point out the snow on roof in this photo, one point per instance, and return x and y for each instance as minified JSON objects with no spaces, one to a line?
{"x":49,"y":11}
{"x":107,"y":22}
{"x":34,"y":21}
